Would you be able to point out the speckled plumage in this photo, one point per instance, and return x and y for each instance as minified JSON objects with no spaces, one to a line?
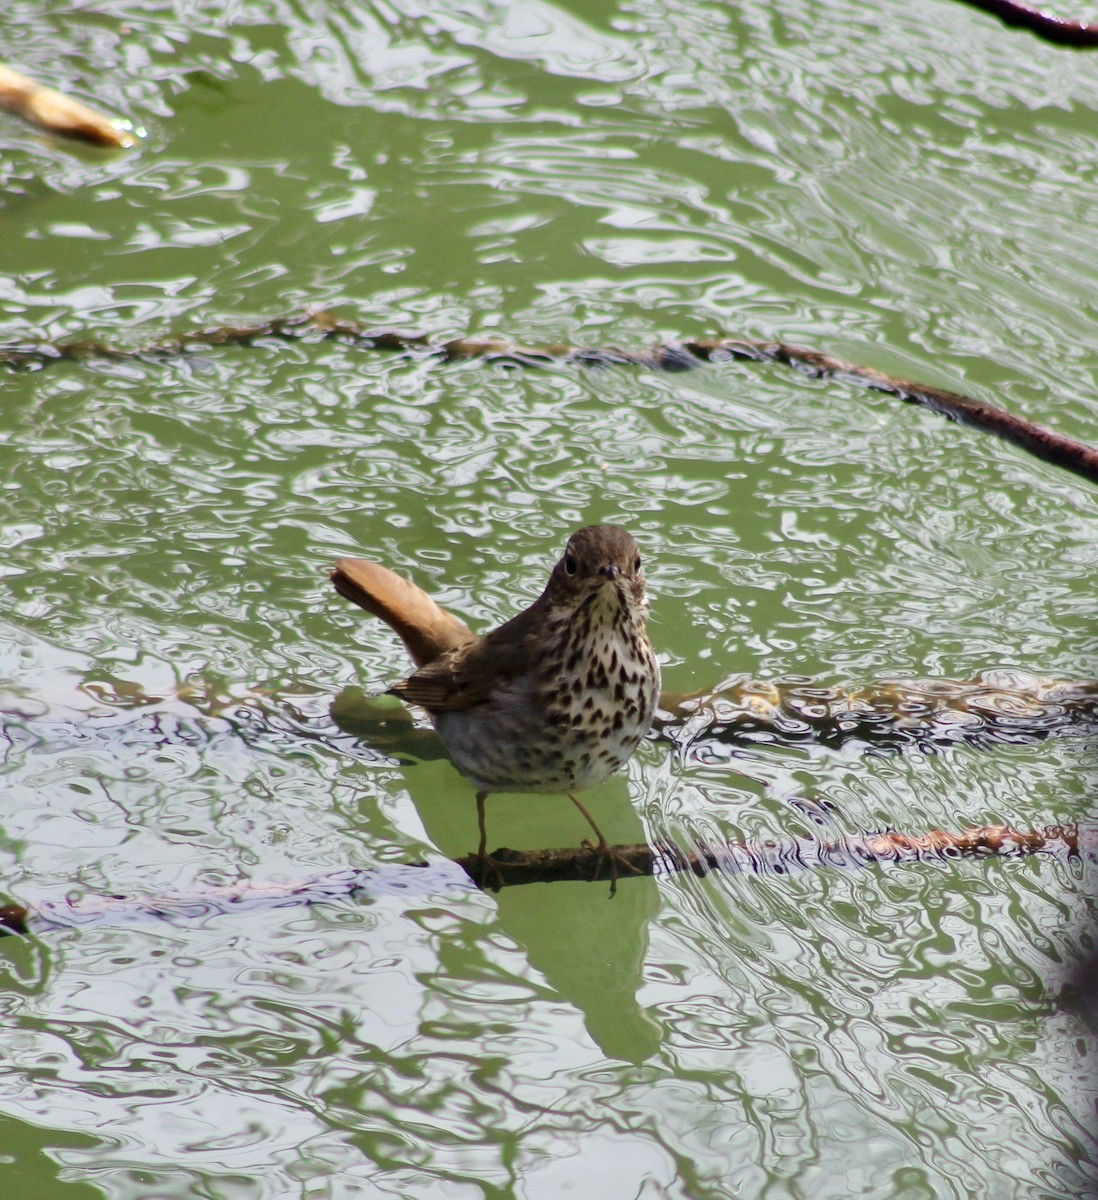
{"x":555,"y":700}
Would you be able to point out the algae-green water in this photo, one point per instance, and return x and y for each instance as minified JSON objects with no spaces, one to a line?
{"x":908,"y":186}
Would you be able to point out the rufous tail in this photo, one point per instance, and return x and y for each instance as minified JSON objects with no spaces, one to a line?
{"x":426,"y":629}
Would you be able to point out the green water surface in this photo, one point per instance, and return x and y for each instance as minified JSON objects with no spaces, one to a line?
{"x":910,"y":186}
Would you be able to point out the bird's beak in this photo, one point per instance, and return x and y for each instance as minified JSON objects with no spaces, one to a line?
{"x":611,"y":571}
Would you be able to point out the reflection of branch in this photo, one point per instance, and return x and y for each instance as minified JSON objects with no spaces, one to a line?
{"x":511,"y":868}
{"x":57,"y":113}
{"x":1052,"y":29}
{"x":1052,"y":447}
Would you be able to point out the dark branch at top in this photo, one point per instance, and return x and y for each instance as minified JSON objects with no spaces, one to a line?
{"x":1052,"y":29}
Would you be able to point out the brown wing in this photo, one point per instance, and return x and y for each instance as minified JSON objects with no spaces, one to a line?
{"x":467,"y":676}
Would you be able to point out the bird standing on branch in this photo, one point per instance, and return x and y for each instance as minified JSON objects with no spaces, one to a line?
{"x":554,"y":700}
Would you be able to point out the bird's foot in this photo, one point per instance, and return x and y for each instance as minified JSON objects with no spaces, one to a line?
{"x":605,"y":853}
{"x":488,"y":867}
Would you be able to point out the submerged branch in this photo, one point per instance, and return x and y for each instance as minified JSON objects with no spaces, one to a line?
{"x":514,"y":868}
{"x":1043,"y":443}
{"x":996,"y":708}
{"x":51,"y":110}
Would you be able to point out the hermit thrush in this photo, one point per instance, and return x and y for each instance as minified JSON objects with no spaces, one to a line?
{"x":556,"y":699}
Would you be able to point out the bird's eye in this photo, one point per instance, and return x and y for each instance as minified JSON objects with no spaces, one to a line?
{"x":637,"y":565}
{"x":570,"y":564}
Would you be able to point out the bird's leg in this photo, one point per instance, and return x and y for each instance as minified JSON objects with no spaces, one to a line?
{"x":483,"y":848}
{"x":604,"y":850}
{"x":483,"y":857}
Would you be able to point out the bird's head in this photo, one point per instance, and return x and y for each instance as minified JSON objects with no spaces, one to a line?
{"x":601,"y":565}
